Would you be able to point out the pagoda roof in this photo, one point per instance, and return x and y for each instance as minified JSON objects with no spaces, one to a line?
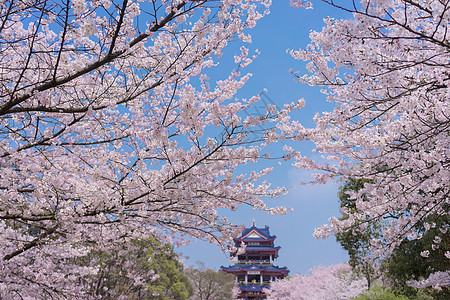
{"x":252,"y":287}
{"x":255,"y":234}
{"x":254,"y":267}
{"x":262,"y":248}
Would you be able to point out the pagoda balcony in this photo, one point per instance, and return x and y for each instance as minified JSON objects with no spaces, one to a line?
{"x":265,"y":283}
{"x":256,"y":262}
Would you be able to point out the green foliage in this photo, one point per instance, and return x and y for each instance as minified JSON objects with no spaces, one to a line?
{"x":144,"y":269}
{"x":427,"y":294}
{"x":383,"y":293}
{"x":405,"y":263}
{"x":172,"y":283}
{"x":380,"y":293}
{"x":209,"y":284}
{"x":355,"y":242}
{"x":345,"y":200}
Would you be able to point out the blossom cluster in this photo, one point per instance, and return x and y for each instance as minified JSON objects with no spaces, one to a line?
{"x":336,"y":282}
{"x":111,"y":131}
{"x":387,"y":71}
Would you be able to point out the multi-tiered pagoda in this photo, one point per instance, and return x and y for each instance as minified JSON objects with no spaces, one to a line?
{"x":254,"y":269}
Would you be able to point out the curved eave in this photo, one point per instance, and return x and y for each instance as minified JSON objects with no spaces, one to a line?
{"x":247,"y":240}
{"x":228,"y":269}
{"x":262,"y":248}
{"x":249,"y":250}
{"x":284,"y":272}
{"x":265,"y":270}
{"x":252,"y":288}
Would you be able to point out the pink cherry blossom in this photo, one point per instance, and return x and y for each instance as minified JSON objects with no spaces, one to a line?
{"x":111,"y":131}
{"x":386,"y":69}
{"x":436,"y":280}
{"x":336,"y":282}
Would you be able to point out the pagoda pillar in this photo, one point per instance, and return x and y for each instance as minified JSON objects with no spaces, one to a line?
{"x":246,"y":279}
{"x":260,"y":279}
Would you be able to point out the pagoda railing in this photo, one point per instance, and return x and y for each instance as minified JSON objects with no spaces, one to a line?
{"x":265,"y":283}
{"x":249,"y":262}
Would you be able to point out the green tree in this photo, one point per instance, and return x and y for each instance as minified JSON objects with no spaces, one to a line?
{"x":383,"y":293}
{"x":357,"y":243}
{"x":406,"y":262}
{"x":145,"y":269}
{"x":209,"y":284}
{"x":380,"y":293}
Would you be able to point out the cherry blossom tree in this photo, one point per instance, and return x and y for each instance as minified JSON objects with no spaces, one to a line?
{"x":143,"y":270}
{"x":437,"y":280}
{"x":111,"y":131}
{"x":387,"y":70}
{"x":333,"y":282}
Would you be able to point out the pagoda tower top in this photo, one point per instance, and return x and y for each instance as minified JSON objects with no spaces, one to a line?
{"x":252,"y":235}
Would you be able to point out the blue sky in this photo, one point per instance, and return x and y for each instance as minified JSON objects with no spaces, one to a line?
{"x":285,"y":28}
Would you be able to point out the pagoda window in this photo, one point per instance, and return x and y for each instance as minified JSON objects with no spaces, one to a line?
{"x":253,"y":243}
